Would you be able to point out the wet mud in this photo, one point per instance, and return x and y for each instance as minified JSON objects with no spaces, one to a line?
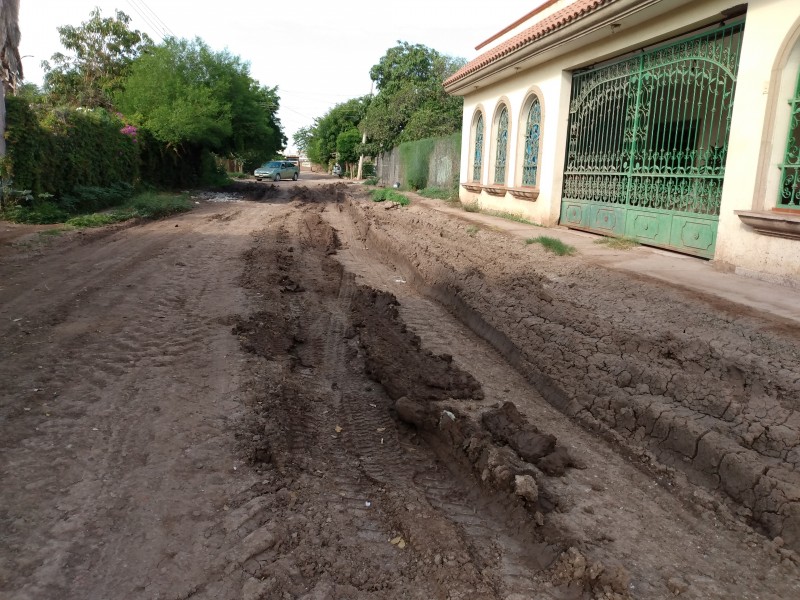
{"x":313,"y":398}
{"x":356,"y":408}
{"x":691,"y":388}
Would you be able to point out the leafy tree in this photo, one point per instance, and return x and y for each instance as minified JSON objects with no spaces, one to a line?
{"x":411,"y":103}
{"x":102,"y":52}
{"x":186,"y":95}
{"x":303,"y":138}
{"x":348,"y":144}
{"x":324,"y":134}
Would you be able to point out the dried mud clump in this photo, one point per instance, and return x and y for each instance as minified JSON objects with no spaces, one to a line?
{"x":508,"y":426}
{"x":253,"y":191}
{"x":682,"y":381}
{"x":334,"y":192}
{"x":579,"y":575}
{"x":395,"y":359}
{"x":265,"y":334}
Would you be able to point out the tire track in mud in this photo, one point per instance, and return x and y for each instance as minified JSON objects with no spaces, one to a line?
{"x":698,"y":389}
{"x":641,"y":532}
{"x":518,"y":554}
{"x":409,"y":490}
{"x":112,"y":379}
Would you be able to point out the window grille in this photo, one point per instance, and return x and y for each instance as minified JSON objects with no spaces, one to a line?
{"x":502,"y":148}
{"x":790,"y":167}
{"x":477,"y":162}
{"x":530,"y":166}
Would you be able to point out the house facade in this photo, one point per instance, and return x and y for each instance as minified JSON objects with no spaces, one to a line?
{"x":674,"y":122}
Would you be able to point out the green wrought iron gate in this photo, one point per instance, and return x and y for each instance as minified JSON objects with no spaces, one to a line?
{"x":648,"y":139}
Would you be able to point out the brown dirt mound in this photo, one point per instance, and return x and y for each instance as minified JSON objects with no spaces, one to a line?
{"x":395,"y":359}
{"x":675,"y":380}
{"x":332,"y":192}
{"x":252,"y":190}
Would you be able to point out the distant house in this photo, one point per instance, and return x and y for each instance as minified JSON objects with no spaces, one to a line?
{"x":674,"y":122}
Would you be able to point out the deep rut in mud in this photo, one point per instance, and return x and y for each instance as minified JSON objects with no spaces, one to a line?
{"x":397,"y":442}
{"x":401,"y":509}
{"x":411,"y":430}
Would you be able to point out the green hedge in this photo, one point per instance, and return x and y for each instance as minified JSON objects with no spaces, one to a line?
{"x":65,"y":148}
{"x":90,"y":159}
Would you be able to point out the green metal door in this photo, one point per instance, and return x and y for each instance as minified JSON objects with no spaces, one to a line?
{"x":648,"y":139}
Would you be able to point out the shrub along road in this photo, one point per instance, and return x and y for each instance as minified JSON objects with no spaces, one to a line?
{"x":260,"y":399}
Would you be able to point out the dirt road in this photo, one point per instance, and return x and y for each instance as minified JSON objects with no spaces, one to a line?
{"x":303,"y":395}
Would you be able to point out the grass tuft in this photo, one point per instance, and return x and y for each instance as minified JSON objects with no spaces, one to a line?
{"x":508,"y":215}
{"x":154,"y":205}
{"x":383,"y":194}
{"x":472,"y":230}
{"x":554,"y":245}
{"x":52,"y":232}
{"x":371,"y":181}
{"x":439,"y":193}
{"x":472,"y":207}
{"x":618,"y":243}
{"x":99,"y":219}
{"x":149,"y":205}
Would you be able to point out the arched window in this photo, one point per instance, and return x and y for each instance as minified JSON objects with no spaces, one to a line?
{"x":533,"y":126}
{"x":502,"y":147}
{"x":477,"y":160}
{"x":789,"y":190}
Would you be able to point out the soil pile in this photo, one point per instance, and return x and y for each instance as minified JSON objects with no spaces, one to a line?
{"x":706,"y":389}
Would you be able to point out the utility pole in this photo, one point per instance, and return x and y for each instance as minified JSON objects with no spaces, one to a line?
{"x":361,"y":158}
{"x":363,"y":141}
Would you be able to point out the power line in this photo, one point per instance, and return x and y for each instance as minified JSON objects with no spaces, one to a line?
{"x":165,"y":27}
{"x":149,"y":22}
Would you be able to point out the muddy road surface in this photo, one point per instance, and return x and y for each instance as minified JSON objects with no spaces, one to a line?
{"x":293,"y":393}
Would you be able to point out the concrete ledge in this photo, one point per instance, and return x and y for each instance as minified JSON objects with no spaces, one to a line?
{"x":495,"y":190}
{"x":524,"y":193}
{"x":475,"y":188}
{"x":772,"y":223}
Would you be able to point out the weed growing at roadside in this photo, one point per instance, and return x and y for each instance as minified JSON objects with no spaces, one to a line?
{"x":472,"y":230}
{"x":41,"y":213}
{"x":371,"y":181}
{"x":472,"y":207}
{"x":149,"y":205}
{"x":509,"y":215}
{"x":383,"y":194}
{"x":99,"y":219}
{"x":152,"y":205}
{"x":439,"y":193}
{"x":52,"y":232}
{"x":554,"y":245}
{"x":618,"y":243}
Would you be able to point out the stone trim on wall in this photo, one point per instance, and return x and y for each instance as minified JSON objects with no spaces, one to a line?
{"x":775,"y":223}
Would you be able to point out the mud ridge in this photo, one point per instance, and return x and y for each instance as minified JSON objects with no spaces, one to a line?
{"x":253,"y":191}
{"x":334,"y":441}
{"x":711,"y":408}
{"x":506,"y":453}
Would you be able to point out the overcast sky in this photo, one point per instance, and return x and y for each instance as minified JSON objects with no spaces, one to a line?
{"x":318,"y":53}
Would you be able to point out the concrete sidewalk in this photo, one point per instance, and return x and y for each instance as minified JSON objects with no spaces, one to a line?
{"x":695,"y":274}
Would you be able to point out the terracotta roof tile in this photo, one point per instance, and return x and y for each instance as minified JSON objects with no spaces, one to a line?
{"x":548,"y":25}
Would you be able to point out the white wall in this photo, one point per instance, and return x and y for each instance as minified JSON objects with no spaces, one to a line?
{"x":769,"y":27}
{"x":767,"y":75}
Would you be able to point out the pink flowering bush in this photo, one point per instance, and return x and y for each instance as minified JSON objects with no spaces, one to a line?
{"x":130,"y":131}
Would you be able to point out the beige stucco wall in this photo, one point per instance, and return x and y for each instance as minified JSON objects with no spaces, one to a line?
{"x":767,"y":76}
{"x":767,"y":49}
